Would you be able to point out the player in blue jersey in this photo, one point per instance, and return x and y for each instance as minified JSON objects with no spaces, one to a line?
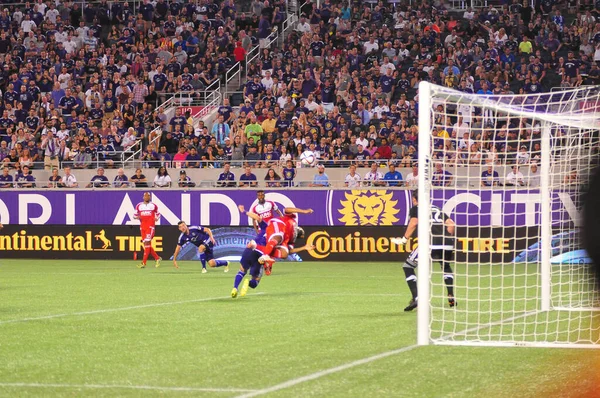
{"x":253,"y":260}
{"x":203,"y":239}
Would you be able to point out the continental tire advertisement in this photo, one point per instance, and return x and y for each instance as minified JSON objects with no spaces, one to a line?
{"x":81,"y":242}
{"x":473,"y":244}
{"x":331,"y":243}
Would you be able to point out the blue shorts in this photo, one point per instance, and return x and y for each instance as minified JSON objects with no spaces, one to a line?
{"x":250,"y":262}
{"x":208,"y":252}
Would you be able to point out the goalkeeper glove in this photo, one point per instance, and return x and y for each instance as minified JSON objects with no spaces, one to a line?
{"x":399,"y":241}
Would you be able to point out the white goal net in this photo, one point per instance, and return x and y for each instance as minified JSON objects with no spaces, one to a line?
{"x":511,"y":171}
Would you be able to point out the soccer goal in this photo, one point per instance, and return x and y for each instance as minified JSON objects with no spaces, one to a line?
{"x":511,"y":171}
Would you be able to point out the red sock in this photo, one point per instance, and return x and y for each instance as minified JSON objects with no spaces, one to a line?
{"x":146,"y":253}
{"x":268,"y":248}
{"x":153,"y":253}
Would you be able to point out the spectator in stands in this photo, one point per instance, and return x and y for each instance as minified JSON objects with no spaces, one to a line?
{"x":69,"y":180}
{"x":121,"y":180}
{"x":321,"y":179}
{"x":248,"y":179}
{"x":515,"y":177}
{"x":162,"y":179}
{"x":412,"y":179}
{"x":221,"y":130}
{"x":99,"y":180}
{"x":384,"y":150}
{"x":55,"y":180}
{"x":572,"y":178}
{"x":179,"y":160}
{"x":253,"y":157}
{"x":441,"y":177}
{"x":25,"y":179}
{"x":193,"y":159}
{"x":489,"y":177}
{"x":253,"y":129}
{"x":51,"y":146}
{"x":226,"y":178}
{"x":374,"y":177}
{"x":289,"y":173}
{"x":6,"y":180}
{"x":185,"y":181}
{"x":393,"y":178}
{"x":138,"y":179}
{"x":352,"y":179}
{"x":523,"y":156}
{"x":534,"y":178}
{"x":272,"y":179}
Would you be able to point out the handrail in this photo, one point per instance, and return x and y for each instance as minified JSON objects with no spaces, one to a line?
{"x":250,"y":57}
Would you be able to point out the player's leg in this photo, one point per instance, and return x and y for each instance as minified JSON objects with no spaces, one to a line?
{"x":275,"y":233}
{"x":245,"y":263}
{"x":201,"y":255}
{"x":411,"y":279}
{"x":447,"y":258}
{"x":153,"y":253}
{"x":256,"y":271}
{"x":147,"y":244}
{"x":212,"y":262}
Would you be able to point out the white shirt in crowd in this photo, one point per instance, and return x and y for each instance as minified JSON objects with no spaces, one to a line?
{"x":353,"y":181}
{"x":69,"y":180}
{"x":162,"y":181}
{"x":412,"y":180}
{"x":362,"y":141}
{"x":513,"y":178}
{"x":373,"y":176}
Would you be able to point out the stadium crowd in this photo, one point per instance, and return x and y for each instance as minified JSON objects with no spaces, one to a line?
{"x":79,"y":86}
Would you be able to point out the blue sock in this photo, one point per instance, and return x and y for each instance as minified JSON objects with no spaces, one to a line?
{"x":238,"y":278}
{"x":253,"y":283}
{"x":220,"y":263}
{"x":203,"y":260}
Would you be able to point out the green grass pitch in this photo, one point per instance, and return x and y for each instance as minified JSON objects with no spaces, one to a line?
{"x":107,"y":329}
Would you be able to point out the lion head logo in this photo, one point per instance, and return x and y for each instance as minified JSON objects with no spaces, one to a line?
{"x":371,"y":207}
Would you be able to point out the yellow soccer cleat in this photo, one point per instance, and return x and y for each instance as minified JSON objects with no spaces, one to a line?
{"x":226,"y":267}
{"x":141,"y":265}
{"x":157,"y":264}
{"x":245,"y":287}
{"x":204,"y":271}
{"x":234,"y":292}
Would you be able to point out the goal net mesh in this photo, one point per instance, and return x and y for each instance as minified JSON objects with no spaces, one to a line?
{"x":512,"y":172}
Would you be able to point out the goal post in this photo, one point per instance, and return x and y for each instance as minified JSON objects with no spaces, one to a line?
{"x":511,"y":171}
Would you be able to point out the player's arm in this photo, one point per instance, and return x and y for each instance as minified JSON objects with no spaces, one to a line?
{"x":293,"y":210}
{"x":177,"y":250}
{"x":303,"y":248}
{"x":253,"y":216}
{"x":210,"y":235}
{"x":450,"y":225}
{"x":410,"y":229}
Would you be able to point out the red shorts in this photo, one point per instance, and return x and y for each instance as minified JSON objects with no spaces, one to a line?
{"x":147,"y":233}
{"x":275,"y":228}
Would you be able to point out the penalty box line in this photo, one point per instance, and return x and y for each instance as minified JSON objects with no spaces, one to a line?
{"x":122,"y":387}
{"x":135,"y":307}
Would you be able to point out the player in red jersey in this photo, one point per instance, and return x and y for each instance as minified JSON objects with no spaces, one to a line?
{"x":147,"y":213}
{"x":281,"y":234}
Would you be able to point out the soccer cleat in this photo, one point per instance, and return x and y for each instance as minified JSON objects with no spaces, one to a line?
{"x":245,"y":287}
{"x":157,"y":263}
{"x":204,"y":271}
{"x":451,"y":301}
{"x":269,"y":266}
{"x":411,"y":305}
{"x":226,"y":267}
{"x":234,"y":292}
{"x":141,"y":265}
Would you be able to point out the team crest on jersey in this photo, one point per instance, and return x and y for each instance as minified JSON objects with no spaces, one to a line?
{"x":368,"y":207}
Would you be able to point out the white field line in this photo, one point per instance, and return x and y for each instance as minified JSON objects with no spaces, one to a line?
{"x":349,"y":365}
{"x":135,"y":307}
{"x":121,"y":387}
{"x":326,"y":372}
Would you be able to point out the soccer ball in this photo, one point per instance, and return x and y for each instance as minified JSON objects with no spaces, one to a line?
{"x":308,"y":158}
